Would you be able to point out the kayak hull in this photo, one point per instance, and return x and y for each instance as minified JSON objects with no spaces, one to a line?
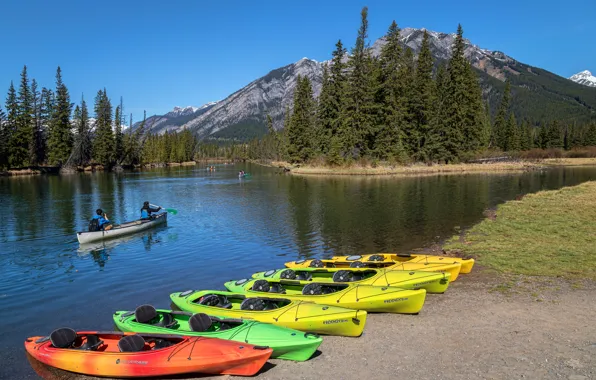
{"x":286,"y":343}
{"x":124,"y":229}
{"x":453,"y":268}
{"x":187,"y":355}
{"x":297,"y":315}
{"x":466,"y":264}
{"x":432,"y":282}
{"x":375,"y":299}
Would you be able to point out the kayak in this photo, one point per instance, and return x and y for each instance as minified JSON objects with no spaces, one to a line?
{"x":380,"y":299}
{"x":286,"y":343}
{"x":298,"y":315}
{"x":122,"y":229}
{"x":466,"y":264}
{"x":432,"y":282}
{"x":125,"y":355}
{"x":353,"y":262}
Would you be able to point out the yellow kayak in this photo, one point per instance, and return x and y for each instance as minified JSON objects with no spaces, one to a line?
{"x":432,"y":282}
{"x":297,"y":315}
{"x":466,"y":264}
{"x":353,"y":262}
{"x":380,"y":299}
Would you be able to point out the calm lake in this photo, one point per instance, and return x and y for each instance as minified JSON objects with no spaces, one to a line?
{"x":226,"y":228}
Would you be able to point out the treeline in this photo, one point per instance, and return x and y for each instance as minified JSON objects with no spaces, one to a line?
{"x":398,"y":108}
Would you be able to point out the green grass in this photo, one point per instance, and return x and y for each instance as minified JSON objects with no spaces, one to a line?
{"x":550,"y":233}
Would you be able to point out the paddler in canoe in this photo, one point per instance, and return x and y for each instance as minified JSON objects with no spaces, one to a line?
{"x":146,"y":211}
{"x":100,"y":221}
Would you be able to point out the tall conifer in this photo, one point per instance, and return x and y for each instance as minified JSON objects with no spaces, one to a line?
{"x":103,"y":143}
{"x":60,"y":140}
{"x":422,"y":100}
{"x":22,"y":138}
{"x":499,"y":138}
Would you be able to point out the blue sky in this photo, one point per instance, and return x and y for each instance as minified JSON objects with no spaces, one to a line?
{"x":159,"y":54}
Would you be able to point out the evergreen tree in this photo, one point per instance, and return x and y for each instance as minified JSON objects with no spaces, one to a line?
{"x":542,"y":138}
{"x":590,"y":135}
{"x":526,"y":138}
{"x":554,"y":137}
{"x":38,"y":147}
{"x":302,"y":122}
{"x":405,"y":102}
{"x":3,"y":140}
{"x":325,"y":114}
{"x":358,"y":124}
{"x":436,"y":142}
{"x":22,"y":137}
{"x":60,"y":140}
{"x":10,"y":127}
{"x":499,"y":137}
{"x":81,"y":154}
{"x":337,"y":88}
{"x":118,"y":137}
{"x":389,"y":117}
{"x":103,"y":143}
{"x":486,"y":130}
{"x":422,"y":100}
{"x":512,"y":143}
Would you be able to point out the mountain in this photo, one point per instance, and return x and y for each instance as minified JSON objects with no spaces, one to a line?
{"x":173,"y":120}
{"x":537,"y":94}
{"x":585,"y":77}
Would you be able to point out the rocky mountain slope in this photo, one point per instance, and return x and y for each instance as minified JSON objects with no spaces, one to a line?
{"x":537,"y":93}
{"x":173,"y":120}
{"x":585,"y":77}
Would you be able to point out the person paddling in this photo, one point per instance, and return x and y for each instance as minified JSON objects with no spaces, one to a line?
{"x":146,"y":210}
{"x":100,"y":221}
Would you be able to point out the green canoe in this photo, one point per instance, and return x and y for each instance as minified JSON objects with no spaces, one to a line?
{"x":286,"y":343}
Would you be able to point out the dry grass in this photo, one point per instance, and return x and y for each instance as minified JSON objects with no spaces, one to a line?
{"x":570,"y":161}
{"x":549,"y":233}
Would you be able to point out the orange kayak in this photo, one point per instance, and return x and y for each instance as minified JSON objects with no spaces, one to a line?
{"x":126,"y":355}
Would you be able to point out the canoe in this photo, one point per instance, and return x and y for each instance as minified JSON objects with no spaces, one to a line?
{"x":379,"y":299}
{"x":432,"y":282}
{"x":297,"y":315}
{"x":353,"y":262}
{"x":466,"y":264}
{"x":286,"y":343}
{"x":122,"y":229}
{"x":126,"y":355}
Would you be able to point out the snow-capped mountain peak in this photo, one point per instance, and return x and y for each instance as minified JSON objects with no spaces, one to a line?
{"x":585,"y":77}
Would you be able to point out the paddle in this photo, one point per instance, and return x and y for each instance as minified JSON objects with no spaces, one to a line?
{"x":172,"y":211}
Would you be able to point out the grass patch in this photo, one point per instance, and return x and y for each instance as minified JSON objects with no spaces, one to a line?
{"x":550,"y":233}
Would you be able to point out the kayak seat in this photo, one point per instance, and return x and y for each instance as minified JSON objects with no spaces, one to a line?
{"x":357,"y":264}
{"x":304,"y":276}
{"x":200,"y":322}
{"x":316,"y":263}
{"x":148,"y":315}
{"x":92,"y":343}
{"x":161,"y":343}
{"x":63,"y":337}
{"x":131,"y":343}
{"x":253,"y":304}
{"x":271,"y":305}
{"x":276,"y":288}
{"x":215,"y":300}
{"x":312,"y":289}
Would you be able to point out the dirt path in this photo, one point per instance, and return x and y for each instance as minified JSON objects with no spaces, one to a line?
{"x":473,"y":331}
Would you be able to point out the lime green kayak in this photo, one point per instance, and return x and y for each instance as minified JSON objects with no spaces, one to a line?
{"x":286,"y":343}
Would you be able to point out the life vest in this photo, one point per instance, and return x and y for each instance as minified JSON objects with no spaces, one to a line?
{"x":94,"y":225}
{"x":144,"y":213}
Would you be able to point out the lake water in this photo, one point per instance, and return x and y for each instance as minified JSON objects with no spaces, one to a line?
{"x":226,"y":228}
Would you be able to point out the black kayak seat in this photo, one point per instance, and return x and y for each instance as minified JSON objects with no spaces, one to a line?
{"x":200,"y":322}
{"x":63,"y":337}
{"x":145,"y":313}
{"x":131,"y":343}
{"x":92,"y":343}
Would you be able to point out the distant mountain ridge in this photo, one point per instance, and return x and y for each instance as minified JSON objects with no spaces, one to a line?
{"x":537,"y":93}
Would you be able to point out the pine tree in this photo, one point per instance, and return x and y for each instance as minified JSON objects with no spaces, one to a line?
{"x":499,"y":138}
{"x":475,"y":136}
{"x":512,"y":143}
{"x":422,"y":100}
{"x":3,"y":140}
{"x":60,"y":140}
{"x":103,"y":143}
{"x":590,"y":135}
{"x":302,"y":122}
{"x":118,"y":138}
{"x":22,"y":138}
{"x":358,"y":123}
{"x":10,"y":127}
{"x":82,"y":148}
{"x":436,"y":142}
{"x":325,"y":114}
{"x":526,"y":138}
{"x":38,"y":146}
{"x":554,"y":137}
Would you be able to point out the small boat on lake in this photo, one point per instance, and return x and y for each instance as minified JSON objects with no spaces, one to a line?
{"x":123,"y":229}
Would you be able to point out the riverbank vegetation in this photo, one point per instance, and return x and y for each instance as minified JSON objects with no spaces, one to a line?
{"x":549,"y":233}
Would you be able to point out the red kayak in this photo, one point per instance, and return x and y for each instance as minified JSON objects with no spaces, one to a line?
{"x":126,"y":355}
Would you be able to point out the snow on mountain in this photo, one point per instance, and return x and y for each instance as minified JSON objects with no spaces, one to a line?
{"x":585,"y":77}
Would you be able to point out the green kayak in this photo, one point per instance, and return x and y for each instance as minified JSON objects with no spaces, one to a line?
{"x":286,"y":343}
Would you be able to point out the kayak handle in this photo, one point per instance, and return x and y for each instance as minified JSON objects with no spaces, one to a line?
{"x":309,"y":334}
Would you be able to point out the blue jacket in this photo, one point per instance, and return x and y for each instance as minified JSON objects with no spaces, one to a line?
{"x":146,"y":212}
{"x":102,"y":220}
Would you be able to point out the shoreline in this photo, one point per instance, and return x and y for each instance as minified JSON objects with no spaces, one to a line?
{"x":422,"y":169}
